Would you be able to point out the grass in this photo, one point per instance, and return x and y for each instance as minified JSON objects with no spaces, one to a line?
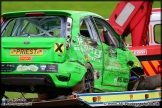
{"x":104,"y":8}
{"x":17,"y":95}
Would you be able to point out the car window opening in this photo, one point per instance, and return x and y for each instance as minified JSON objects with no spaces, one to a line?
{"x":84,"y":29}
{"x":53,"y":26}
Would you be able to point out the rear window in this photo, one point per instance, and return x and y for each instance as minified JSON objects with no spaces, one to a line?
{"x":49,"y":26}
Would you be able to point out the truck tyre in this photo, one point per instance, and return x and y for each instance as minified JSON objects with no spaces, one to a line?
{"x":86,"y":85}
{"x":146,"y":83}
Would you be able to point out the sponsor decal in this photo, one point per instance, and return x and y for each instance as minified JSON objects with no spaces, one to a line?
{"x":140,"y":52}
{"x":26,"y":52}
{"x":26,"y":67}
{"x":49,"y":68}
{"x":43,"y":67}
{"x":25,"y":58}
{"x":6,"y":67}
{"x":59,"y":47}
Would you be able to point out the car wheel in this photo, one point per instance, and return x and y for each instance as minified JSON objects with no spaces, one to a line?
{"x":86,"y":85}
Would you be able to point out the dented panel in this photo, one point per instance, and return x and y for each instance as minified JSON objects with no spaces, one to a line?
{"x":63,"y":52}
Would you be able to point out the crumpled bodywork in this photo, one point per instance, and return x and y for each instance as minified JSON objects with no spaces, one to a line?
{"x":64,"y":58}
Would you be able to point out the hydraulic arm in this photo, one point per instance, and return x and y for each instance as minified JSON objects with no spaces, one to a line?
{"x":132,"y":17}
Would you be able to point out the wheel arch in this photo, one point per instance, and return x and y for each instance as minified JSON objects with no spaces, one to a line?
{"x":88,"y":65}
{"x":78,"y":86}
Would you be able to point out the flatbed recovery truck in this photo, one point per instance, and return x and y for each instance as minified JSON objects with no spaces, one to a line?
{"x":131,"y":98}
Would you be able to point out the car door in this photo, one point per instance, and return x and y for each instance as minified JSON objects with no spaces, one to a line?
{"x":92,"y":47}
{"x":116,"y":73}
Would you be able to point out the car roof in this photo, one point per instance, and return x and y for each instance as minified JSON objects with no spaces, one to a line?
{"x":71,"y":13}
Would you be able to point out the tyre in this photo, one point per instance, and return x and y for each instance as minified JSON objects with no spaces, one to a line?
{"x":86,"y":85}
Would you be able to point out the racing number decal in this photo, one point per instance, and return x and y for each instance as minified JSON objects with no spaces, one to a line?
{"x":59,"y":47}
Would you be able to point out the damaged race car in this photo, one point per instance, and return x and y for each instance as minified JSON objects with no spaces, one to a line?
{"x":57,"y":52}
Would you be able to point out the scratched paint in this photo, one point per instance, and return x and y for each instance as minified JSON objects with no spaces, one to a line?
{"x":90,"y":52}
{"x":115,"y":64}
{"x":109,"y":62}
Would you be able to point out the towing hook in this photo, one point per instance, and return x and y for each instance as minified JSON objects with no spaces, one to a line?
{"x":131,"y":63}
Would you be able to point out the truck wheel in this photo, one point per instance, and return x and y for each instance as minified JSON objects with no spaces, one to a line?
{"x":86,"y":85}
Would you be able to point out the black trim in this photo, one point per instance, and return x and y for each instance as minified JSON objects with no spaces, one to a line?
{"x":26,"y":79}
{"x":148,"y":58}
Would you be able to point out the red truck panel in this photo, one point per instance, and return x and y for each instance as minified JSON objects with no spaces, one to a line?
{"x":151,"y":67}
{"x":146,"y":50}
{"x":132,"y":17}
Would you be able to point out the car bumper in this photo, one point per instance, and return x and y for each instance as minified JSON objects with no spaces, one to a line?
{"x":27,"y":79}
{"x":67,"y":75}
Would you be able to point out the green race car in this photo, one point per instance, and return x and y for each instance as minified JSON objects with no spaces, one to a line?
{"x":53,"y":52}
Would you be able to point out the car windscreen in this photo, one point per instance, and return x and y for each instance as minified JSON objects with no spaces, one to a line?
{"x":45,"y":26}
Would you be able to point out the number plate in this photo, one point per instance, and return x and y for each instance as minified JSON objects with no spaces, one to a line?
{"x":38,"y":52}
